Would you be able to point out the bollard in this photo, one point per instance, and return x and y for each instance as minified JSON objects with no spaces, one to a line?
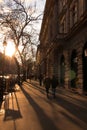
{"x":1,"y":89}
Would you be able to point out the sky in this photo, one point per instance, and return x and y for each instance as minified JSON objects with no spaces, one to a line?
{"x":40,"y":4}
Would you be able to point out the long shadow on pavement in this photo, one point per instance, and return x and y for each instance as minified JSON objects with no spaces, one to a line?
{"x":45,"y":121}
{"x":11,"y":113}
{"x":80,"y":114}
{"x":36,"y":86}
{"x":74,"y":107}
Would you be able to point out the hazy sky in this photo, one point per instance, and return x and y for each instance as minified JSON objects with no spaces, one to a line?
{"x":39,"y":3}
{"x":39,"y":7}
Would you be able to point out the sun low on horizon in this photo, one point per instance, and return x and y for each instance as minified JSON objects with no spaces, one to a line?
{"x":10,"y":49}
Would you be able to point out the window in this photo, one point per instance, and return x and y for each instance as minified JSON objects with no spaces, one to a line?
{"x":63,"y":25}
{"x":64,"y":2}
{"x":61,"y":4}
{"x":74,"y":13}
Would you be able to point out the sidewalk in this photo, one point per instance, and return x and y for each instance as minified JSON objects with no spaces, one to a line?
{"x":9,"y":103}
{"x":25,"y":109}
{"x":10,"y":110}
{"x":61,"y":89}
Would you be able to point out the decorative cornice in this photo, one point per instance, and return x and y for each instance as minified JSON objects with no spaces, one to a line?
{"x":47,"y":13}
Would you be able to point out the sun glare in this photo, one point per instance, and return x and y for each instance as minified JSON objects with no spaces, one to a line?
{"x":10,"y":49}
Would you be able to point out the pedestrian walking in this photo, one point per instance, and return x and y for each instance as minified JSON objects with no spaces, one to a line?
{"x":40,"y":79}
{"x":47,"y":83}
{"x":54,"y":83}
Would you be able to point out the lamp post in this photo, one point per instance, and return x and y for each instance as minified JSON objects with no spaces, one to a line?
{"x":4,"y":45}
{"x":2,"y":80}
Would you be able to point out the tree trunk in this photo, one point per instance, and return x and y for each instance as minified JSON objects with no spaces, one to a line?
{"x":18,"y":72}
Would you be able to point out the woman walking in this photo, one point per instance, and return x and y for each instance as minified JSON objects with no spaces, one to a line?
{"x":47,"y":83}
{"x":54,"y":83}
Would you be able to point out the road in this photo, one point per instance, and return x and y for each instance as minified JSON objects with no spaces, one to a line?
{"x":30,"y":109}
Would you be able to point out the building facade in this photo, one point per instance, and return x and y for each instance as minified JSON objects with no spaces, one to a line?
{"x":63,"y":43}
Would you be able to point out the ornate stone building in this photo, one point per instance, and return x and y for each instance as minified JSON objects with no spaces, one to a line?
{"x":63,"y":43}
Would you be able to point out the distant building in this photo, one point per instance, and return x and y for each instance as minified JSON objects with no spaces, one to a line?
{"x":63,"y":43}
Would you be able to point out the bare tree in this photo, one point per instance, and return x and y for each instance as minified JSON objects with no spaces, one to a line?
{"x":16,"y":21}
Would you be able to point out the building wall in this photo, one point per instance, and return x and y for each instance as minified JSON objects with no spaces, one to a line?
{"x":64,"y":39}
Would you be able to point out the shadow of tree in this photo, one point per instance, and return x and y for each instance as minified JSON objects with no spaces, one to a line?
{"x":73,"y":106}
{"x":45,"y":121}
{"x":12,"y":114}
{"x":75,"y":109}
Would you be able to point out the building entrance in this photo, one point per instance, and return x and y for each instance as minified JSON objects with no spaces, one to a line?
{"x":74,"y":66}
{"x":62,"y":70}
{"x":84,"y":59}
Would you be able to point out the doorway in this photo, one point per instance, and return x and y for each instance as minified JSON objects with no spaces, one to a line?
{"x":74,"y":70}
{"x":84,"y":60}
{"x":62,"y":70}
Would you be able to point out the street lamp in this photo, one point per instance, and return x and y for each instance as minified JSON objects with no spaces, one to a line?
{"x":2,"y":80}
{"x":4,"y":45}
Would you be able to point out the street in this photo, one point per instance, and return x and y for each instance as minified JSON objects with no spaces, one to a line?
{"x":30,"y":109}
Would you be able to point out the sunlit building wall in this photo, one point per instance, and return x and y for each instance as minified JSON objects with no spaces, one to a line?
{"x":63,"y":42}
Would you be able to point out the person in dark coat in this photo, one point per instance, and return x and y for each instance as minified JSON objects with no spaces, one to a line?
{"x":47,"y":83}
{"x":40,"y":79}
{"x":54,"y":83}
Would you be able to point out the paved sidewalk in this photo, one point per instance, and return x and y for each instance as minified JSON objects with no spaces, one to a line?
{"x":23,"y":109}
{"x":36,"y":82}
{"x":59,"y":90}
{"x":10,"y":110}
